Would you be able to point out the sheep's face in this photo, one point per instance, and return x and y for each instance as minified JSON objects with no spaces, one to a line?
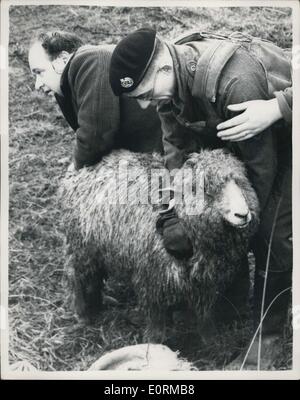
{"x":227,"y":193}
{"x":233,"y":206}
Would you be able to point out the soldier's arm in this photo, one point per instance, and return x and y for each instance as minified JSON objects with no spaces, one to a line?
{"x":257,"y":116}
{"x":98,"y":109}
{"x":285,"y":102}
{"x":259,"y":153}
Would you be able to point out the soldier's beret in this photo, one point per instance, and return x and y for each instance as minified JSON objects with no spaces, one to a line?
{"x":130,"y":60}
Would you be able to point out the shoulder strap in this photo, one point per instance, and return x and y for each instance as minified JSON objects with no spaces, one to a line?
{"x":210,"y":66}
{"x":190,"y":36}
{"x":195,"y":36}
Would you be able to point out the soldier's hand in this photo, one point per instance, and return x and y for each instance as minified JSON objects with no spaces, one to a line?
{"x":258,"y":115}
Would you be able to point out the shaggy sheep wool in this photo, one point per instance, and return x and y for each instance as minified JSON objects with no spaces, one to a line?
{"x":105,"y":238}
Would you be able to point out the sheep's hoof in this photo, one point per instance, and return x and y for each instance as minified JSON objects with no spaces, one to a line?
{"x":88,"y":314}
{"x":86,"y":320}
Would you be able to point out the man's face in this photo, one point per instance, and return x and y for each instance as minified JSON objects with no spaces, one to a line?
{"x":47,"y":72}
{"x":160,"y":85}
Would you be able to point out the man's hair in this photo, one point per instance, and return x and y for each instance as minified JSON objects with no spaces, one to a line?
{"x":57,"y":41}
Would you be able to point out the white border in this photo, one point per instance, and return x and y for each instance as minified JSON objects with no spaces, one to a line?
{"x":138,"y":375}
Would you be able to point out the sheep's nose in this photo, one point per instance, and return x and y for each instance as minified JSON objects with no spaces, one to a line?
{"x":244,"y":217}
{"x":241,"y":216}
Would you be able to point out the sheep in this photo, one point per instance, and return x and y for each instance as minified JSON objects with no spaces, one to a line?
{"x":121,"y":239}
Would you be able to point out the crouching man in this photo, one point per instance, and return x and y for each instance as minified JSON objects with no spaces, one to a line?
{"x":77,"y":74}
{"x":191,"y":85}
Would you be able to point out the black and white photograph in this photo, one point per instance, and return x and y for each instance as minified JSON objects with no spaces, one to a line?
{"x":148,"y":188}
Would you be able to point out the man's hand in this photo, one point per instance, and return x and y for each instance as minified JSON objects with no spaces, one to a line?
{"x":258,"y":115}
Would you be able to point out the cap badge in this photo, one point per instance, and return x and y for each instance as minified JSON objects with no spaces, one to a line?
{"x":126,"y":82}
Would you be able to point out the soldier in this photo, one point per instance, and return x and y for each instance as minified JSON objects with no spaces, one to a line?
{"x":191,"y":85}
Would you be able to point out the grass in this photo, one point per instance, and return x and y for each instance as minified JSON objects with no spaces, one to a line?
{"x":43,"y":331}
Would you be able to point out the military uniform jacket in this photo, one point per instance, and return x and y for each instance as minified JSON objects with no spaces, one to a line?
{"x":201,"y":103}
{"x":101,"y":120}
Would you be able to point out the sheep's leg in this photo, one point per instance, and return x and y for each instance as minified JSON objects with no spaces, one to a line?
{"x":207,"y":329}
{"x":85,"y":275}
{"x":233,"y":304}
{"x":156,"y":326}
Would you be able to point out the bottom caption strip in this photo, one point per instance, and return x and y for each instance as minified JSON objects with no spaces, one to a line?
{"x":150,"y":389}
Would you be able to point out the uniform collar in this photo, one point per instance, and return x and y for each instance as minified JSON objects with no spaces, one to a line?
{"x":184,"y":67}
